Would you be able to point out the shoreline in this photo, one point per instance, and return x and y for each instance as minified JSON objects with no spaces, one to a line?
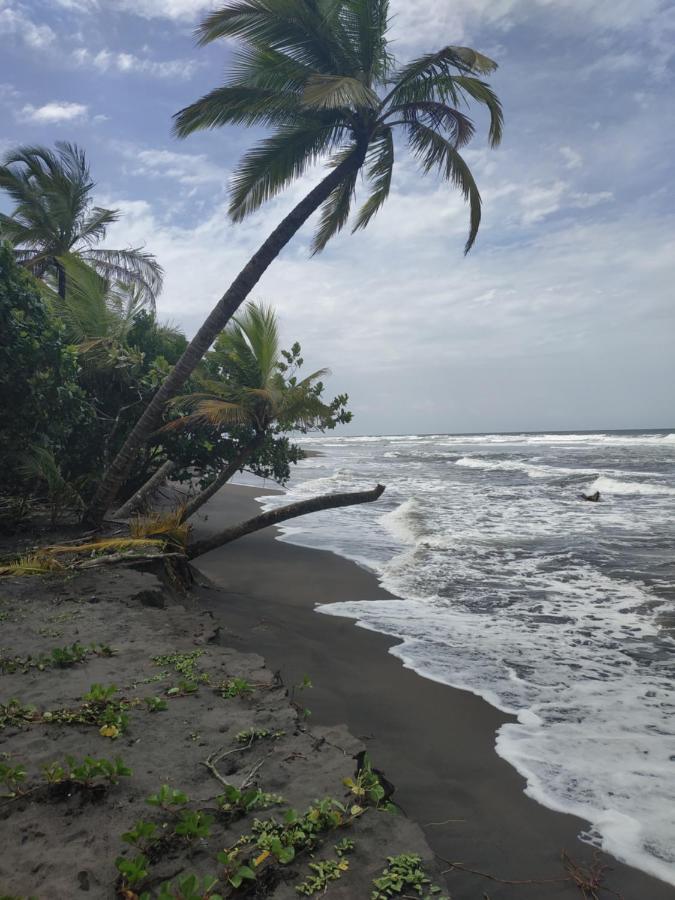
{"x":434,"y":742}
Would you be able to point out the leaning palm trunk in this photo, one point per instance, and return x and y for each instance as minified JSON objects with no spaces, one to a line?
{"x":147,"y":490}
{"x":226,"y":307}
{"x":223,"y":477}
{"x":275,"y":516}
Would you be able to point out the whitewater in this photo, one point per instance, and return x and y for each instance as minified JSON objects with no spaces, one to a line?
{"x":507,"y":584}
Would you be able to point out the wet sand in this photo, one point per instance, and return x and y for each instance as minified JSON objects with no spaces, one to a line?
{"x":435,"y":743}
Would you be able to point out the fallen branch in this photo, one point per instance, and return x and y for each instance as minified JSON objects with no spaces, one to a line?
{"x":282,"y":514}
{"x":588,"y":881}
{"x":212,"y":761}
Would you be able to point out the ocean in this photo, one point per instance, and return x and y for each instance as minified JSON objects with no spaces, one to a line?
{"x":558,"y":611}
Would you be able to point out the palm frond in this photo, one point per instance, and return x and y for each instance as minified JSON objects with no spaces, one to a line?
{"x":94,"y":226}
{"x":276,"y":161}
{"x":484,"y":94}
{"x":338,"y":92}
{"x":335,"y":210}
{"x":132,"y":267}
{"x":380,"y":163}
{"x":167,"y":526}
{"x":435,"y":152}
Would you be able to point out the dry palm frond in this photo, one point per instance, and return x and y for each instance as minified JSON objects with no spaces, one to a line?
{"x":168,"y":526}
{"x":32,"y":564}
{"x":108,"y":544}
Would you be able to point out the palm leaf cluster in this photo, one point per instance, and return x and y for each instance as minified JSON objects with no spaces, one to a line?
{"x":321,"y":76}
{"x":54,"y":219}
{"x":246,"y":386}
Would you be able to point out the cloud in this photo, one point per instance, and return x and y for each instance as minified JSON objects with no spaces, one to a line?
{"x":572,"y":158}
{"x":54,"y":112}
{"x":190,"y":169}
{"x":120,"y":61}
{"x":148,"y":9}
{"x":15,"y":23}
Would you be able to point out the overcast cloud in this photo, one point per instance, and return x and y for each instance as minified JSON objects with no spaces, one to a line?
{"x":562,"y":315}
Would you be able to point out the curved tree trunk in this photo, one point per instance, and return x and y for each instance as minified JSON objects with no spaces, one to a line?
{"x":223,"y":476}
{"x":223,"y":311}
{"x":274,"y":516}
{"x":146,"y":490}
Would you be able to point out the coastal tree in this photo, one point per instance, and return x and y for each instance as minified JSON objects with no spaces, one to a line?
{"x":253,"y":383}
{"x":321,"y":75}
{"x":54,"y":217}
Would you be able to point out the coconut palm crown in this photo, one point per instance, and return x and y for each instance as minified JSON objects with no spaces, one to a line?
{"x":54,"y":217}
{"x":250,"y":384}
{"x":320,"y":74}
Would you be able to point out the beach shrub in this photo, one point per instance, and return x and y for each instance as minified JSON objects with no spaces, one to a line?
{"x":43,"y":405}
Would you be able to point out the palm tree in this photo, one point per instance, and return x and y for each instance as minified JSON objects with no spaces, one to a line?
{"x":321,"y":75}
{"x":54,"y":217}
{"x":252,"y":392}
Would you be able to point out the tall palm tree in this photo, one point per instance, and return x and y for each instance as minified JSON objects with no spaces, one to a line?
{"x":250,"y":391}
{"x":54,"y":217}
{"x":320,"y":74}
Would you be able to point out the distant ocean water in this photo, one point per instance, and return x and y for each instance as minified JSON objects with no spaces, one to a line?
{"x":558,"y":611}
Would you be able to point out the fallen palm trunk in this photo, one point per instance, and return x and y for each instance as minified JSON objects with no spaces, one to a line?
{"x":282,"y":514}
{"x":151,"y":485}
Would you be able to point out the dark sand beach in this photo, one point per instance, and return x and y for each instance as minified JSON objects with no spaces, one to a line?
{"x":434,"y":742}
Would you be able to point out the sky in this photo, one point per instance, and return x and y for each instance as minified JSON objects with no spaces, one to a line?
{"x":560,"y":318}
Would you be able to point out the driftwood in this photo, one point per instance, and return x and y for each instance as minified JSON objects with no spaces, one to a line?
{"x":151,"y":485}
{"x":275,"y":516}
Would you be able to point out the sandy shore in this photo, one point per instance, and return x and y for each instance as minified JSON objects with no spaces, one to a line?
{"x":435,"y":743}
{"x":192,"y":713}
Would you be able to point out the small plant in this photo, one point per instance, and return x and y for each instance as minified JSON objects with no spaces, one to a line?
{"x":167,"y":798}
{"x":235,"y":873}
{"x":235,"y":687}
{"x":345,"y":846}
{"x":133,"y":871}
{"x":183,"y":687}
{"x":236,"y":801}
{"x":367,"y":788}
{"x":97,"y":693}
{"x":404,"y":873}
{"x":90,"y":769}
{"x":15,"y":714}
{"x":184,"y":664}
{"x":189,"y":887}
{"x":251,"y":735}
{"x":193,"y":825}
{"x":305,"y":684}
{"x":65,"y":657}
{"x":54,"y":773}
{"x":156,"y":704}
{"x":142,"y":834}
{"x":12,"y":777}
{"x":324,"y":871}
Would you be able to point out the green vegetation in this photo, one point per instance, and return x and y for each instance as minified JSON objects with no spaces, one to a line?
{"x":235,"y":687}
{"x":404,"y":875}
{"x":324,"y":79}
{"x":323,"y":872}
{"x":235,"y":800}
{"x":167,"y":798}
{"x":188,"y":887}
{"x":12,"y":777}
